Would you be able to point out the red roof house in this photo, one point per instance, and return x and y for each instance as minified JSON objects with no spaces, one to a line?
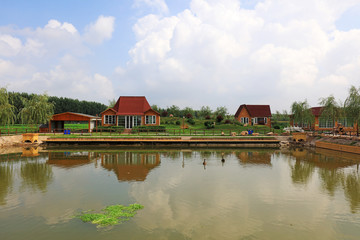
{"x":130,"y":112}
{"x":323,"y":124}
{"x":254,"y":114}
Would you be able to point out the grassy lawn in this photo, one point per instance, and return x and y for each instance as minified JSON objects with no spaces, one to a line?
{"x":172,"y":128}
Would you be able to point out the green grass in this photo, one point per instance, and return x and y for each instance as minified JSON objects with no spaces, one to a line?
{"x":111,"y":215}
{"x":172,"y":129}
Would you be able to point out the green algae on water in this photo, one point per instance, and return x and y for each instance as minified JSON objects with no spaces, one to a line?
{"x":112,"y":215}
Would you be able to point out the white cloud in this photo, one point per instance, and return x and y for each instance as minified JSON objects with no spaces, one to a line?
{"x":100,"y":31}
{"x":54,"y":24}
{"x":9,"y":46}
{"x":158,"y":5}
{"x":216,"y":52}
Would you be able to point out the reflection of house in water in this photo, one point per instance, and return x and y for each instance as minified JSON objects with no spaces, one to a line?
{"x":30,"y":152}
{"x":328,"y":159}
{"x":130,"y":166}
{"x":254,"y":157}
{"x":71,"y":159}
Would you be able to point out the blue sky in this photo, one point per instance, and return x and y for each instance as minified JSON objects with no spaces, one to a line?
{"x":183,"y":52}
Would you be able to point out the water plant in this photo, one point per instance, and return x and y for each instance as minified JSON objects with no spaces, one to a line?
{"x":112,"y":215}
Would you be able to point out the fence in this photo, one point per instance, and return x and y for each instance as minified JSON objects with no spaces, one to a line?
{"x":142,"y":132}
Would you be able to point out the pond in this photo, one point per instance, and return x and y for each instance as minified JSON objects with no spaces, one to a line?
{"x":251,"y":194}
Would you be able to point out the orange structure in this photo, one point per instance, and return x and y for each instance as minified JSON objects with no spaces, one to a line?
{"x":322,"y":124}
{"x":57,"y":121}
{"x":254,"y":115}
{"x":129,"y":112}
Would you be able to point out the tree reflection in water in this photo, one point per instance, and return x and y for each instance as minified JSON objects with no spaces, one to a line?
{"x":36,"y":175}
{"x":331,"y":179}
{"x":6,"y":182}
{"x":301,"y":172}
{"x":352,"y":190}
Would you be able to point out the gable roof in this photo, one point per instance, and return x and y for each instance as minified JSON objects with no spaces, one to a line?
{"x":316,"y":111}
{"x":131,"y":106}
{"x":255,"y":110}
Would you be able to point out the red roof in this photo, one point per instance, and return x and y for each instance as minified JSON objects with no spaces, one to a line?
{"x":316,"y":111}
{"x":255,"y":110}
{"x":131,"y":106}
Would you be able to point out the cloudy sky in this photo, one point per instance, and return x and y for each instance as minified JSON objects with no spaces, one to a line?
{"x":183,"y":52}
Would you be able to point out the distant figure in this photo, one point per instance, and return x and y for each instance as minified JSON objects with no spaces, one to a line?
{"x":222,"y":161}
{"x":204,"y":162}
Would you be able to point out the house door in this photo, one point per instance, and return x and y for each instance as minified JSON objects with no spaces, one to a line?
{"x":129,"y":121}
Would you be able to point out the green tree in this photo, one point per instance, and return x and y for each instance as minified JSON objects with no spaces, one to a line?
{"x":222,"y":111}
{"x":112,"y":103}
{"x":36,"y":110}
{"x":352,"y":106}
{"x":174,"y":110}
{"x":301,"y":113}
{"x":331,"y":109}
{"x":7,"y":110}
{"x":205,"y":111}
{"x":188,"y":111}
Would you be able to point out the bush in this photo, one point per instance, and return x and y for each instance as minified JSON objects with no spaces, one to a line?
{"x":177,"y":122}
{"x":164,"y":113}
{"x":191,"y":121}
{"x":149,"y":129}
{"x":207,"y":117}
{"x":227,"y":121}
{"x":109,"y":128}
{"x":189,"y":115}
{"x":209,"y":124}
{"x":219,"y":118}
{"x":277,"y":127}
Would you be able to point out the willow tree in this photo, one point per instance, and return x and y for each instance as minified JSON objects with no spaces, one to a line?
{"x":7,"y":110}
{"x":37,"y":110}
{"x":301,"y":113}
{"x":352,"y":106}
{"x":331,"y":110}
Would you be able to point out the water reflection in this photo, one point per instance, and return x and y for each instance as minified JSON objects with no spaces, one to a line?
{"x":36,"y":175}
{"x":6,"y":182}
{"x":332,"y":171}
{"x":130,"y":166}
{"x":70,"y":159}
{"x":352,"y":190}
{"x":258,"y":189}
{"x":254,"y":157}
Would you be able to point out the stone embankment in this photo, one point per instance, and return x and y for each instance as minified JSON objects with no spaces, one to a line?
{"x":17,"y":140}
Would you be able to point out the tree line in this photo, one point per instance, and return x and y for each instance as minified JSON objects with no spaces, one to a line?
{"x":332,"y":109}
{"x":27,"y":108}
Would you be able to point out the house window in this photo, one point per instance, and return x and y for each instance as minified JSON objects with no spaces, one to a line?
{"x":150,"y":119}
{"x":110,"y":119}
{"x":244,"y":120}
{"x":326,"y":123}
{"x":346,"y":122}
{"x":254,"y":120}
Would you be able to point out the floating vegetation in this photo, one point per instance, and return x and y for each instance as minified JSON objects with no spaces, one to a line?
{"x":112,"y":215}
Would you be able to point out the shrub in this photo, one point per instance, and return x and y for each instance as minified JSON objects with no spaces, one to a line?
{"x":149,"y":129}
{"x":227,"y":121}
{"x":164,"y":113}
{"x":177,"y":122}
{"x":189,"y":115}
{"x":209,"y":124}
{"x":191,"y":121}
{"x":109,"y":128}
{"x":207,"y":117}
{"x":277,"y":127}
{"x":219,"y":118}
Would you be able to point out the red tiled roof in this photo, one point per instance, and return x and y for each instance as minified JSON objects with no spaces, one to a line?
{"x":255,"y":110}
{"x":131,"y":106}
{"x":316,"y":111}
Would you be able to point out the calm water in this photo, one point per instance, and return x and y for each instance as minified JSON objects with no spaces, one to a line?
{"x":254,"y":194}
